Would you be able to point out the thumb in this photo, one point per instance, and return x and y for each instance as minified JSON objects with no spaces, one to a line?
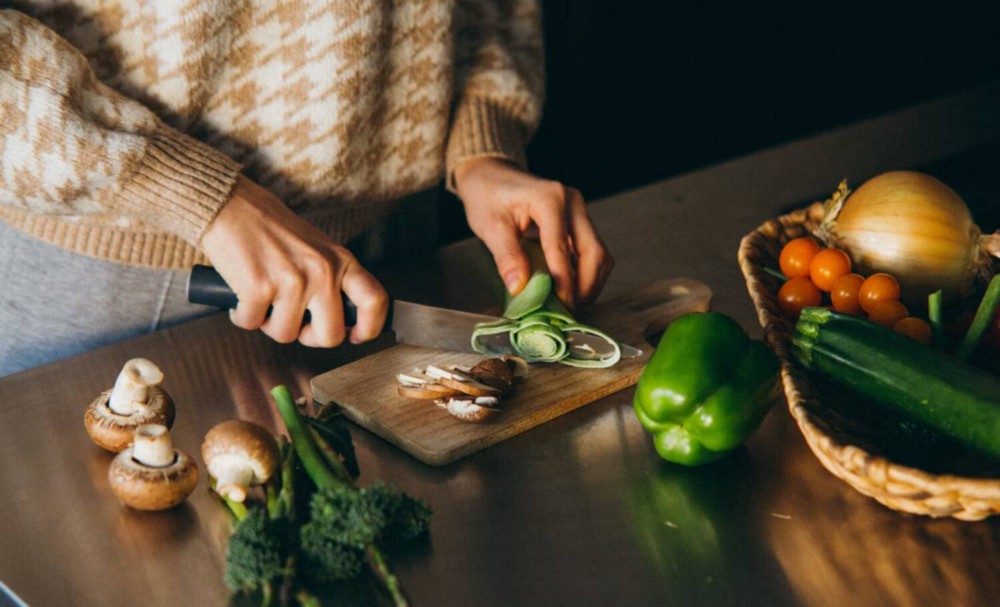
{"x":512,"y":264}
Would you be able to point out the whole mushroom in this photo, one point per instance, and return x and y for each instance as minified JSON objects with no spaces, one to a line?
{"x":136,"y":399}
{"x":239,"y":454}
{"x":151,"y":474}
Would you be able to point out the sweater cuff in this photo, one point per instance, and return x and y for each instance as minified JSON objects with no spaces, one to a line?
{"x":481,"y":128}
{"x":179,"y":185}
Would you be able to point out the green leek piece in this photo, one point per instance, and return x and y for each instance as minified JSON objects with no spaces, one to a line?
{"x":542,"y":330}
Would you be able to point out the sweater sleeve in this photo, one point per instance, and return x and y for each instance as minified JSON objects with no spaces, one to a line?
{"x":500,"y":81}
{"x":69,"y":145}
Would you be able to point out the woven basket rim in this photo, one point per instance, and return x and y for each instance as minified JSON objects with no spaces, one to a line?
{"x":897,"y":486}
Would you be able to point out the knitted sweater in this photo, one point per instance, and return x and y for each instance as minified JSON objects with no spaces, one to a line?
{"x":123,"y":125}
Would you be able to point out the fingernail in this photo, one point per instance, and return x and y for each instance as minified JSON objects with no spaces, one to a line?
{"x":512,"y":280}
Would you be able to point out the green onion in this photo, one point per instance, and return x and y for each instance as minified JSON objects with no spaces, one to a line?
{"x":987,"y":307}
{"x":934,"y":318}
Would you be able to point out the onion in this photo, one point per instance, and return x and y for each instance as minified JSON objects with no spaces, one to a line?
{"x":914,"y":227}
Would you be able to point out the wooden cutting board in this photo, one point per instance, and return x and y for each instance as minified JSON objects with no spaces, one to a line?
{"x":365,"y":390}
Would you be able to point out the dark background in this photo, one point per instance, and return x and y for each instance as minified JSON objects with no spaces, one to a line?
{"x":639,"y":91}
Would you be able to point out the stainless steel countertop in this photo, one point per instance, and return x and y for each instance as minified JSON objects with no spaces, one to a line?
{"x":579,"y":511}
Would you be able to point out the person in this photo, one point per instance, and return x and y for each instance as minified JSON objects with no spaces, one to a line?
{"x":138,"y":139}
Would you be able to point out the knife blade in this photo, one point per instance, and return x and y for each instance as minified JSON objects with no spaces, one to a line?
{"x":413,"y":323}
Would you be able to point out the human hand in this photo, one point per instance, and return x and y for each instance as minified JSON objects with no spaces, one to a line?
{"x":274,"y":259}
{"x":504,"y":203}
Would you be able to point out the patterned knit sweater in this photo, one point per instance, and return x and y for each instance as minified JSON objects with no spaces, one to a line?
{"x":123,"y":125}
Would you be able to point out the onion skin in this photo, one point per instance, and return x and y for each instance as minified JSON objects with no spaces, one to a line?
{"x":914,"y":227}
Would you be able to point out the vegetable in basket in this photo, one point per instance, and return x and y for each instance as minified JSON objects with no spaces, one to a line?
{"x":706,"y":389}
{"x":914,"y":227}
{"x":895,"y":372}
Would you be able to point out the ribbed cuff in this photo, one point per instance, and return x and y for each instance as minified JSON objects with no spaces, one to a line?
{"x":180,"y":185}
{"x":481,"y":128}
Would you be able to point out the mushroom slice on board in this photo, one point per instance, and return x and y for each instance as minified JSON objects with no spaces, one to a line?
{"x":466,"y":384}
{"x":496,"y":373}
{"x":239,"y":454}
{"x":151,"y":474}
{"x":136,"y":399}
{"x":471,"y":410}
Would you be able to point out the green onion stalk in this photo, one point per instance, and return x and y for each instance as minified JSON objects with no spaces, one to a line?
{"x":541,"y":330}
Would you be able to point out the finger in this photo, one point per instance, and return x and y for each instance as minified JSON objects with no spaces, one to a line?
{"x":552,"y":231}
{"x":285,"y":321}
{"x":512,"y":264}
{"x":326,"y":326}
{"x":367,"y":294}
{"x":251,"y":309}
{"x":594,"y":263}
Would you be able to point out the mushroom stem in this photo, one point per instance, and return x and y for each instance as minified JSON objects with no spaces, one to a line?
{"x":232,"y":476}
{"x":131,"y":391}
{"x":153,"y":446}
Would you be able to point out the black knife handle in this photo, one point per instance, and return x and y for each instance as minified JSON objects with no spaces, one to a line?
{"x":206,"y":287}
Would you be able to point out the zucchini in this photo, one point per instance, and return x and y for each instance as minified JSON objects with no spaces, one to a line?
{"x":900,"y":374}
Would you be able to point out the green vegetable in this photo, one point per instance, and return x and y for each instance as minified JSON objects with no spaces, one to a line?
{"x":348,"y":526}
{"x":895,"y":372}
{"x":987,"y":308}
{"x":262,"y":544}
{"x":706,"y":389}
{"x":256,"y":552}
{"x":934,"y":301}
{"x":541,"y":330}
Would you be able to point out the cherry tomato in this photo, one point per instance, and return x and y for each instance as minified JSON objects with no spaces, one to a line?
{"x":844,"y":294}
{"x":798,"y":293}
{"x":827,"y":266}
{"x":887,"y":313}
{"x":915,"y":328}
{"x":876,"y":288}
{"x":796,"y":256}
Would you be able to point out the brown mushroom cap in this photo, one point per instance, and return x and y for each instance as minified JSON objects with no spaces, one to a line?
{"x":239,"y":454}
{"x":114,"y":432}
{"x":495,"y":373}
{"x":152,"y":487}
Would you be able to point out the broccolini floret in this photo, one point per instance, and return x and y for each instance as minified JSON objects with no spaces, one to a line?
{"x":348,"y":525}
{"x":257,"y":551}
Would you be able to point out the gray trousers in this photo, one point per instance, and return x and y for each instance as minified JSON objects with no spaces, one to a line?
{"x":54,"y":304}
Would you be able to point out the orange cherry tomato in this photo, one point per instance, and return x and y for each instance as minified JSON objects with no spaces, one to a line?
{"x":887,"y":313}
{"x":796,"y":256}
{"x":844,"y":294}
{"x":827,"y":266}
{"x":915,"y":328}
{"x":798,"y":293}
{"x":877,"y":288}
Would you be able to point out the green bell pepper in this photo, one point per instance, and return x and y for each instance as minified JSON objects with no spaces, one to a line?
{"x":706,"y":389}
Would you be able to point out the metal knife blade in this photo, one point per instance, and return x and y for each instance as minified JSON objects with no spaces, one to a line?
{"x":432,"y":327}
{"x":413,"y":323}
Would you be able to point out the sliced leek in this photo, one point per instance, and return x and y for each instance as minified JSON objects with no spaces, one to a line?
{"x":541,"y":330}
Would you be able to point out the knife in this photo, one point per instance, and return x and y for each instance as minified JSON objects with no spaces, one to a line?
{"x":413,"y":323}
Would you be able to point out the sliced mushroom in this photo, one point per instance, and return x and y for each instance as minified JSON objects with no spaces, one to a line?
{"x":136,"y":399}
{"x":151,"y":474}
{"x":427,"y":391}
{"x":495,"y":373}
{"x":239,"y":454}
{"x":466,"y":384}
{"x":469,"y":410}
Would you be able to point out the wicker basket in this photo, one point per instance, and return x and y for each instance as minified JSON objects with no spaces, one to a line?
{"x":841,"y":448}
